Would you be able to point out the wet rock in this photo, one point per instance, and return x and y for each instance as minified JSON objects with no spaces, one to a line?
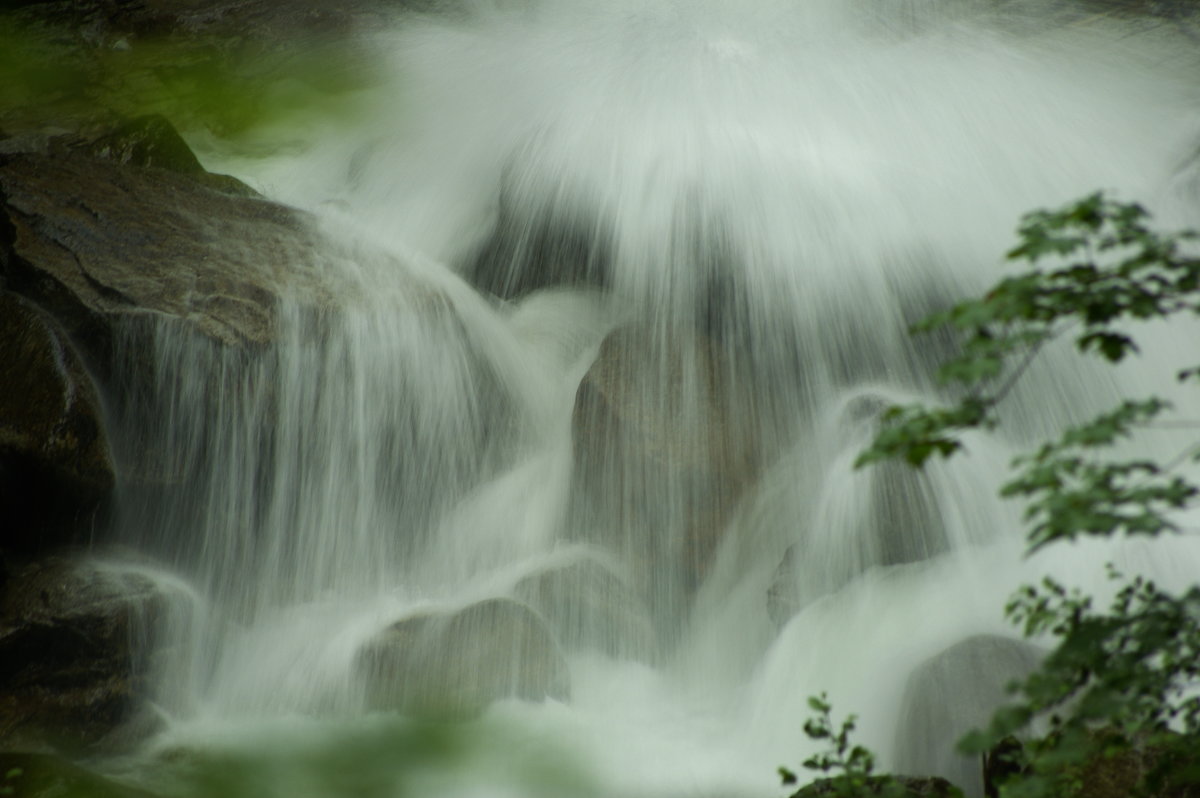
{"x":150,"y":140}
{"x":590,"y":606}
{"x":537,"y":246}
{"x":902,"y":523}
{"x":667,"y":437}
{"x":453,"y":665}
{"x":42,"y":775}
{"x":91,"y":240}
{"x":911,"y":787}
{"x":55,"y":469}
{"x":74,"y":641}
{"x":784,"y":598}
{"x":952,"y":693}
{"x":887,"y":515}
{"x":147,"y":141}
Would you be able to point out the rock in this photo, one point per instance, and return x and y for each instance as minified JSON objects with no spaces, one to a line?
{"x":42,"y":775}
{"x":784,"y":596}
{"x":666,"y":439}
{"x":55,"y":468}
{"x":590,"y":606}
{"x":147,"y":141}
{"x":902,"y":523}
{"x":540,"y":245}
{"x":91,"y":241}
{"x":912,"y":787}
{"x":72,"y":672}
{"x":453,"y":665}
{"x":888,"y":515}
{"x":952,"y":693}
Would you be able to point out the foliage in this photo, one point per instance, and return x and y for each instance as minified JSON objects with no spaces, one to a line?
{"x":10,"y":776}
{"x":1121,"y":679}
{"x":848,"y":768}
{"x":54,"y":74}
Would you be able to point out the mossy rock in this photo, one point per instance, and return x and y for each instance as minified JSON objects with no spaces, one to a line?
{"x":452,"y":665}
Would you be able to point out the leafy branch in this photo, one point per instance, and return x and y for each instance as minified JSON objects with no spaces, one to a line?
{"x":1120,"y":681}
{"x":848,"y":769}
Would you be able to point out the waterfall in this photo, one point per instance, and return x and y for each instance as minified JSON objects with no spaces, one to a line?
{"x":650,"y":271}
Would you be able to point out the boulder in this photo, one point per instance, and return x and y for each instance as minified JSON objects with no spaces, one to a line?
{"x":73,"y":653}
{"x":666,"y":439}
{"x":92,"y":240}
{"x":888,"y":515}
{"x":590,"y":606}
{"x":452,"y":665}
{"x":901,"y":522}
{"x":535,"y":246}
{"x":55,"y":468}
{"x":952,"y":693}
{"x":147,"y":141}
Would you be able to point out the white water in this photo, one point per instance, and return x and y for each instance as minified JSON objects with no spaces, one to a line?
{"x":758,"y":197}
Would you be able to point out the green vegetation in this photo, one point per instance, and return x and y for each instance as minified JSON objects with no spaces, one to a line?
{"x":1120,"y":683}
{"x":53,"y":75}
{"x":848,"y":769}
{"x":10,"y":776}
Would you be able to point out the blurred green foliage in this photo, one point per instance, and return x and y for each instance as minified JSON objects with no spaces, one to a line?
{"x":373,"y":756}
{"x":1120,"y":684}
{"x":379,"y":756}
{"x":53,"y":75}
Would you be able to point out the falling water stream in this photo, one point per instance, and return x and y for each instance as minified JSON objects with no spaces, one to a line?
{"x":622,"y":286}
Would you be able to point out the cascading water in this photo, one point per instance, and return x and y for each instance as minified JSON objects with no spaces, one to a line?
{"x":682,"y":243}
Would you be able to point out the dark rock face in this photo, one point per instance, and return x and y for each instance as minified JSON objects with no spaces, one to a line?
{"x":71,"y":668}
{"x":952,"y":693}
{"x":454,"y":665}
{"x":532,"y":249}
{"x":90,"y":240}
{"x":55,"y":469}
{"x":147,"y":141}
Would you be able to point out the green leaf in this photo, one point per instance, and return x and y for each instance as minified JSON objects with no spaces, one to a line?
{"x":1121,"y":675}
